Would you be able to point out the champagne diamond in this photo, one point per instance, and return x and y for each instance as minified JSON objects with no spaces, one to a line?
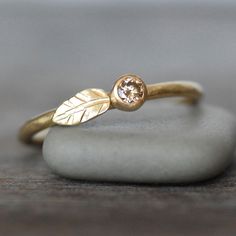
{"x":131,"y":90}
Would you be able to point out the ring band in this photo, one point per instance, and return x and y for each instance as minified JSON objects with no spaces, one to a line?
{"x":128,"y":94}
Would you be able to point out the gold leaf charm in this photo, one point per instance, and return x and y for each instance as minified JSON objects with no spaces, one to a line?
{"x":83,"y":107}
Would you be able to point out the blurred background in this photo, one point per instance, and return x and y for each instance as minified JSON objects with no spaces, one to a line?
{"x":51,"y":49}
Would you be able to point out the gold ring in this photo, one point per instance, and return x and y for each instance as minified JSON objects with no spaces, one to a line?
{"x":128,"y":94}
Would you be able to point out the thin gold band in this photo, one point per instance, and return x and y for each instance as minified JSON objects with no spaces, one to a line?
{"x":192,"y":92}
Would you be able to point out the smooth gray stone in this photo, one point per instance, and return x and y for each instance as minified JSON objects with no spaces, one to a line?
{"x":160,"y":143}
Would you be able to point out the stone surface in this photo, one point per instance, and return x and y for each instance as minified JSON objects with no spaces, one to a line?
{"x":160,"y":143}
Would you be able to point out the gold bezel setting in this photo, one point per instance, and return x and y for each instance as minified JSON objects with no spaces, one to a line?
{"x":129,"y":93}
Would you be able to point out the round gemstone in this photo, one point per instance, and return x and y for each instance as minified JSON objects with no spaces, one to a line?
{"x":131,"y":90}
